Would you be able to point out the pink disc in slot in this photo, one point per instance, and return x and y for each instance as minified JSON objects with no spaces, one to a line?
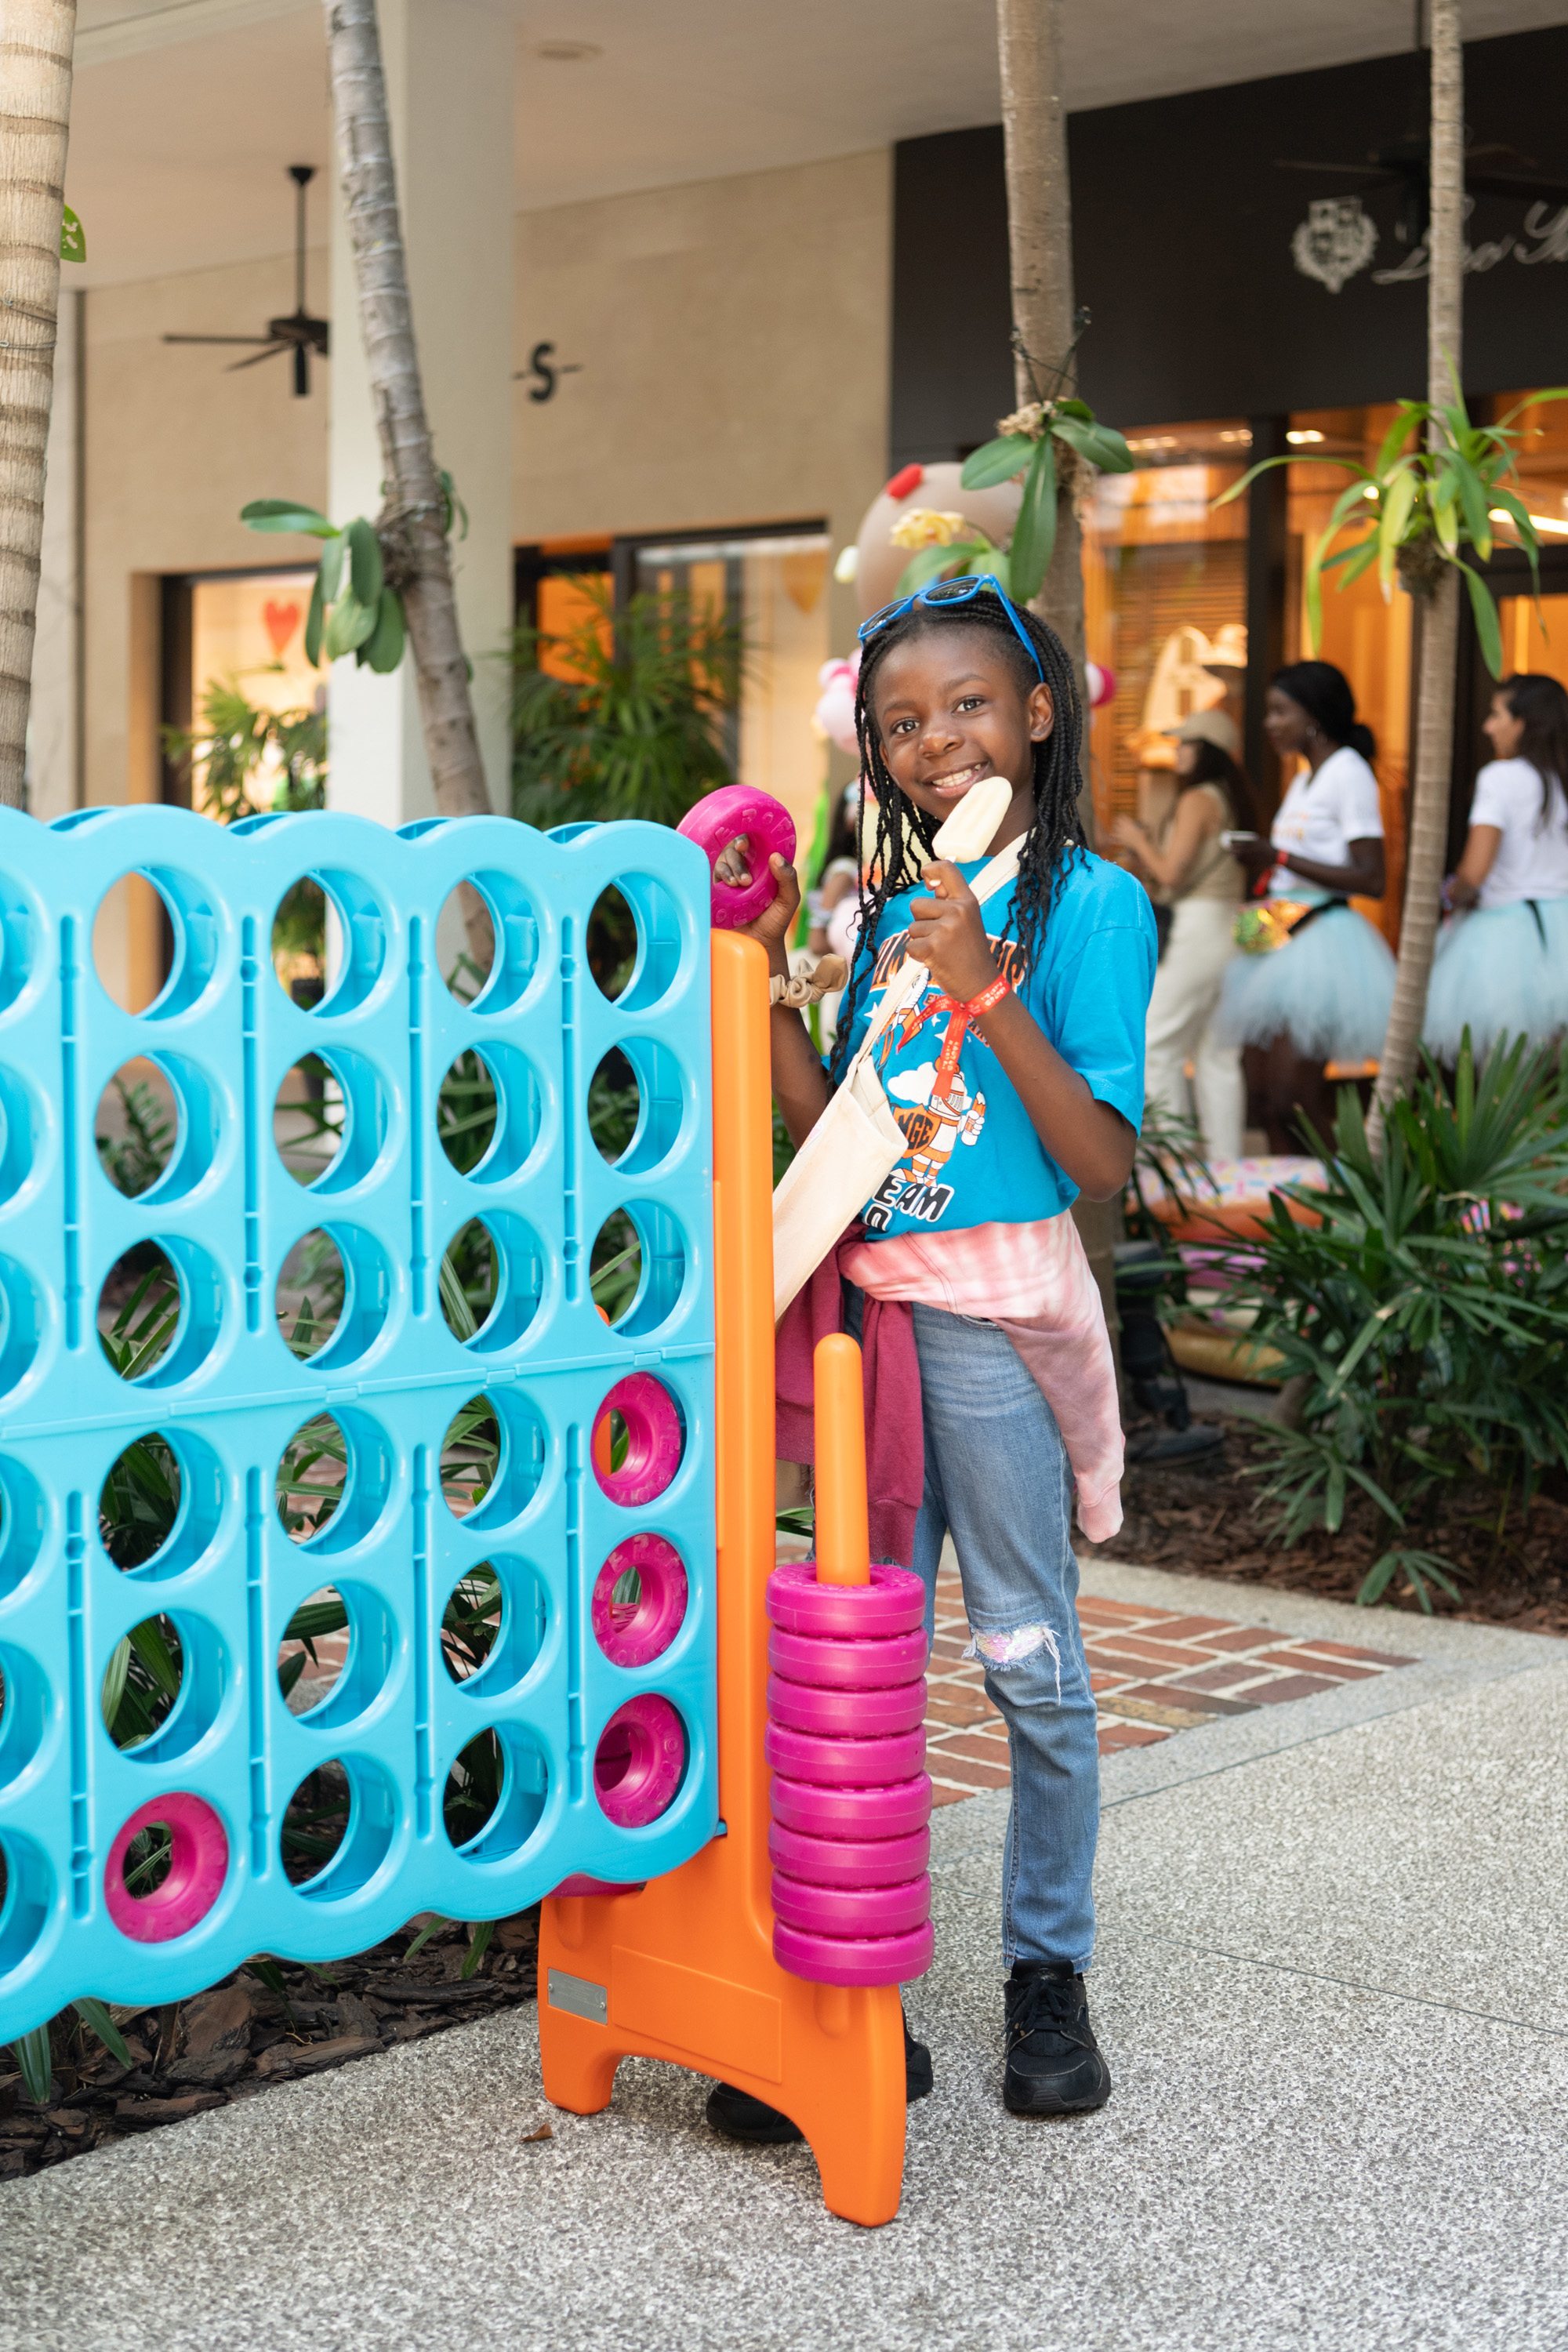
{"x":639,"y":1762}
{"x":843,"y":1763}
{"x":846,"y":1713}
{"x":835,"y":1662}
{"x":769,"y":829}
{"x":893,"y":1603}
{"x":831,"y":1960}
{"x":631,"y":1632}
{"x":581,"y":1884}
{"x":848,"y":1862}
{"x":198,"y":1864}
{"x":889,"y":1810}
{"x":654,"y":1440}
{"x":852,"y":1911}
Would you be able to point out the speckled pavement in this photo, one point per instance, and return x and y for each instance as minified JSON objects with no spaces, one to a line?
{"x":1332,"y":1984}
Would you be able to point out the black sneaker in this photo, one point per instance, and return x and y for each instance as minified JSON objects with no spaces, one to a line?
{"x":1054,"y":2066}
{"x":738,"y":2115}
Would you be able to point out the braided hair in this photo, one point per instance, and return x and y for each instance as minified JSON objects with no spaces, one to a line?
{"x":904,"y":835}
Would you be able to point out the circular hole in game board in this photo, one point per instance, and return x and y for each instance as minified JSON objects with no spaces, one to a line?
{"x":27,"y":1891}
{"x":23,"y":1709}
{"x":329,"y":942}
{"x":18,"y":936}
{"x":161,"y":1504}
{"x":495,"y":1794}
{"x":640,"y":1761}
{"x":142,"y":1682}
{"x":492,"y":1282}
{"x":333,"y":1295}
{"x":488,"y":1113}
{"x":487,"y":941}
{"x":639,"y":1601}
{"x":493,"y":1628}
{"x":20,"y":1325}
{"x":155,"y":942}
{"x":636,"y":1106}
{"x":634,"y":942}
{"x":156,"y":1127}
{"x":636,"y":1269}
{"x":330,"y":1121}
{"x":492,"y":1459}
{"x":23,"y":1517}
{"x":338,"y":1828}
{"x":332,"y":1480}
{"x":18,"y":1135}
{"x":314,"y":1650}
{"x":159,"y":1311}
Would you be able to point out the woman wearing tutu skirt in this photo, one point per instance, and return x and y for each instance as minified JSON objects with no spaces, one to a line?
{"x":1316,"y":981}
{"x":1502,"y":967}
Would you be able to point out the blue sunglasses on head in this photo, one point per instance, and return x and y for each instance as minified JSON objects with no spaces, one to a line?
{"x":955,"y":592}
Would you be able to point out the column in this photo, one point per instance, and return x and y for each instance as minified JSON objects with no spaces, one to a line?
{"x":450,"y":74}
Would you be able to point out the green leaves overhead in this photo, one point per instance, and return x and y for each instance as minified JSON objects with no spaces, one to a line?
{"x":1030,"y":451}
{"x":1436,"y":487}
{"x":364,"y":617}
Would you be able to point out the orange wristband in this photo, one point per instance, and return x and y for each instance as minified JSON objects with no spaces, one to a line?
{"x":988,"y":999}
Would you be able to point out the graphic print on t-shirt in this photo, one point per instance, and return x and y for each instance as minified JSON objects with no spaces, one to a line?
{"x":936,"y":1104}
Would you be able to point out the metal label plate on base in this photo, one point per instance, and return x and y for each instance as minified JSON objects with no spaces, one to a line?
{"x":579,"y":1996}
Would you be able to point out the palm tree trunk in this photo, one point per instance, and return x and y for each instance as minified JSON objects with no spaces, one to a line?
{"x":35,"y":48}
{"x":411,"y":524}
{"x":1438,"y":648}
{"x":1039,"y":240}
{"x":1039,"y":237}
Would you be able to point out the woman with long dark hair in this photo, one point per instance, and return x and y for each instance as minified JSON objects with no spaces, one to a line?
{"x":1502,"y":969}
{"x":1316,"y":980}
{"x":1201,"y":882}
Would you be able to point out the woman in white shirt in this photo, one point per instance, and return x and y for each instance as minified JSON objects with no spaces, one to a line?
{"x":1502,"y":969}
{"x":1318,"y":979}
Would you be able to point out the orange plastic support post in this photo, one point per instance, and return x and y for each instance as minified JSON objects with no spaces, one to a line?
{"x":683,"y":1968}
{"x":843,"y":1548}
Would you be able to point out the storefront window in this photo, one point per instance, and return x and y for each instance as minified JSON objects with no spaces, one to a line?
{"x":1536,"y":639}
{"x":1164,"y":603}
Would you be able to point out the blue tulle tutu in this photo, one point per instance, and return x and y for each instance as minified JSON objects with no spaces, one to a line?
{"x":1501,"y":971}
{"x":1328,"y":989}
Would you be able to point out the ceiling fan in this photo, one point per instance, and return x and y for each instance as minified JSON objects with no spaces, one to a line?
{"x":297,"y":333}
{"x":1406,"y":164}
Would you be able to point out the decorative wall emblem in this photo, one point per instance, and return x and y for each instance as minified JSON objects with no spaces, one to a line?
{"x":1336,"y":241}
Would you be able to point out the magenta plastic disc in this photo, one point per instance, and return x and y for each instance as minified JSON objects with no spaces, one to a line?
{"x":852,"y":1911}
{"x":769,"y":828}
{"x":848,"y":1862}
{"x":631,"y":1632}
{"x":893,"y":1603}
{"x":198,"y":1864}
{"x":843,"y":1763}
{"x":581,"y":1884}
{"x":826,"y":1662}
{"x":638,"y":1763}
{"x":654,"y":1439}
{"x":830,"y":1959}
{"x":846,"y":1713}
{"x":889,"y":1811}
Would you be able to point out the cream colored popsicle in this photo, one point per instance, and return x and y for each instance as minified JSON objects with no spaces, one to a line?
{"x":971,"y":829}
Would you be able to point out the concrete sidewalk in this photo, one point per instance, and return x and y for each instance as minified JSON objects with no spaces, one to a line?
{"x":1331,"y":1985}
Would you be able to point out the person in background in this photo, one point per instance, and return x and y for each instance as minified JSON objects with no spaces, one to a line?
{"x":1201,"y":882}
{"x":1316,"y":981}
{"x":832,"y":903}
{"x":1501,"y":971}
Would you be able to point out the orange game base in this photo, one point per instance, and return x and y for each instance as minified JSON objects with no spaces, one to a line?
{"x":683,"y":1968}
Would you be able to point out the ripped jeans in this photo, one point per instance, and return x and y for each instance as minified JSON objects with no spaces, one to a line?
{"x":997,"y":1479}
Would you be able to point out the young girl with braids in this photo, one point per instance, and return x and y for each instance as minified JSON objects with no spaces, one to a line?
{"x":1018,"y":1080}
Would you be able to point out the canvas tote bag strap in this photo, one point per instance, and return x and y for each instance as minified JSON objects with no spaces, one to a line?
{"x":909,"y":983}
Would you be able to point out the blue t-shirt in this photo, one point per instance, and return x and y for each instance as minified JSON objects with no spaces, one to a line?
{"x":973,"y":1155}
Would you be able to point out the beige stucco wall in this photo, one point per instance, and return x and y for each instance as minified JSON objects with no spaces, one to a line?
{"x":733,"y":339}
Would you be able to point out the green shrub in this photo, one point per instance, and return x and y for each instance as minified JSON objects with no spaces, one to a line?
{"x":1422,"y":1319}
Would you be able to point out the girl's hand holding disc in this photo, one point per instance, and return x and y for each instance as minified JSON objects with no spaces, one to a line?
{"x":773,"y":926}
{"x":947,"y":933}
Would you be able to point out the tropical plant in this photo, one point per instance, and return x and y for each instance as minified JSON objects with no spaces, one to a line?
{"x":946,"y":547}
{"x":356,"y":599}
{"x":35,"y":121}
{"x":239,"y":746}
{"x":1041,"y":440}
{"x":1424,"y":1311}
{"x":628,"y":720}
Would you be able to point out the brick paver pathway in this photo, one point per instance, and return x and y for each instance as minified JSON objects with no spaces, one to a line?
{"x":1154,"y":1671}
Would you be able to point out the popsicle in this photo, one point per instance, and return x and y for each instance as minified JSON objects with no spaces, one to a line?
{"x":971,"y":829}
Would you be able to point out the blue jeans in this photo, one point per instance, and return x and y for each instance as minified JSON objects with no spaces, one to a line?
{"x":997,"y":1479}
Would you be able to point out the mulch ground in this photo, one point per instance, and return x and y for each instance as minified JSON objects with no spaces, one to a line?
{"x":238,"y":2040}
{"x":1203,"y":1517}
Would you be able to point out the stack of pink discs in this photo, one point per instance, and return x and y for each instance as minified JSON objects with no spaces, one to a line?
{"x":851,"y":1802}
